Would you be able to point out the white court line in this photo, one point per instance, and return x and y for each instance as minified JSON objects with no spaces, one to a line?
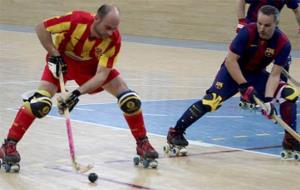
{"x":224,"y":116}
{"x":83,"y":109}
{"x":263,"y":134}
{"x":193,"y":142}
{"x":152,"y":114}
{"x":240,"y":136}
{"x":198,"y":143}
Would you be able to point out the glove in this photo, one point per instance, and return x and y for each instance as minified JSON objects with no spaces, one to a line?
{"x":55,"y":63}
{"x":247,"y":92}
{"x":299,"y":30}
{"x":68,"y":103}
{"x":269,"y":111}
{"x":241,"y":24}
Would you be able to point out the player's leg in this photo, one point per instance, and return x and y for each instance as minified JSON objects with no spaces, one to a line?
{"x":287,"y":96}
{"x":130,"y":104}
{"x":222,"y":88}
{"x":36,"y":105}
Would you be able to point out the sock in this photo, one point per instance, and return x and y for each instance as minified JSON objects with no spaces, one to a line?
{"x":136,"y":125}
{"x":192,"y":114}
{"x":22,"y":122}
{"x":288,"y":115}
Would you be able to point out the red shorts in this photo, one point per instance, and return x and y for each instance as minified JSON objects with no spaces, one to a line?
{"x":80,"y":71}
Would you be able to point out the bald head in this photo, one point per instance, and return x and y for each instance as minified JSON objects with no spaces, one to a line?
{"x":106,"y":21}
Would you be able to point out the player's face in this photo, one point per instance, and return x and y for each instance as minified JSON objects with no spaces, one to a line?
{"x":104,"y":27}
{"x":266,"y":25}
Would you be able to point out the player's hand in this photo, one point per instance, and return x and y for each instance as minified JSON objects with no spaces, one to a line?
{"x":68,"y":103}
{"x":241,"y":24}
{"x":247,"y":92}
{"x":269,"y":111}
{"x":55,"y":64}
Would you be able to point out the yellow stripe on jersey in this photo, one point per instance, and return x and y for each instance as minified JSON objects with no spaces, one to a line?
{"x":58,"y":38}
{"x":105,"y":57}
{"x":59,"y":27}
{"x":86,"y":49}
{"x":75,"y":36}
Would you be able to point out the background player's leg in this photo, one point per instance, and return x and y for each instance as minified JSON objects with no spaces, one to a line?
{"x":288,"y":111}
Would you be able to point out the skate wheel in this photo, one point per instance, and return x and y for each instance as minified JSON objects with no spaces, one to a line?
{"x":6,"y":167}
{"x":252,"y":106}
{"x":183,"y":152}
{"x":136,"y":161}
{"x":297,"y":156}
{"x":285,"y":154}
{"x":15,"y":168}
{"x":165,"y":149}
{"x":174,"y":151}
{"x":242,"y":105}
{"x":146,"y":163}
{"x":153,"y":164}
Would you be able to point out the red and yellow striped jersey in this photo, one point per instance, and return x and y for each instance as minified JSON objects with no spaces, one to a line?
{"x":71,"y":35}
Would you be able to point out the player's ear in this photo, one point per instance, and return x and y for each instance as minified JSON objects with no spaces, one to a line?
{"x":97,"y":18}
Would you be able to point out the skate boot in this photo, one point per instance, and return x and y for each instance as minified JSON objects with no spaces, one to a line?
{"x":290,"y":149}
{"x":176,"y":143}
{"x":147,"y":154}
{"x":9,"y":156}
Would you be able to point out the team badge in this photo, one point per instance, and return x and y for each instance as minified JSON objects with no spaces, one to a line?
{"x":269,"y":52}
{"x":219,"y":85}
{"x":98,"y":51}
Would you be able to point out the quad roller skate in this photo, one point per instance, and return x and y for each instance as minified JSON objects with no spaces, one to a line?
{"x":176,"y":144}
{"x":9,"y":157}
{"x":290,"y":150}
{"x":147,"y":154}
{"x":248,"y":105}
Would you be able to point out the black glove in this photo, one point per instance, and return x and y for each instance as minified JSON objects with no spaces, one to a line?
{"x":55,"y":63}
{"x":247,"y":92}
{"x":69,"y":102}
{"x":269,"y":111}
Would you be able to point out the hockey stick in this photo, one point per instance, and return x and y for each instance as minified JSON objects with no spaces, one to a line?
{"x":279,"y":120}
{"x":287,"y":75}
{"x":78,"y":167}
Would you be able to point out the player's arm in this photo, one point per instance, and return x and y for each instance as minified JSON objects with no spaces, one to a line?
{"x":96,"y":81}
{"x":46,"y":39}
{"x":240,"y":11}
{"x":273,"y":81}
{"x":234,"y":68}
{"x":297,"y":15}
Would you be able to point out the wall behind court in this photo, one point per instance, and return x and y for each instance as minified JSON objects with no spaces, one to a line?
{"x":206,"y":20}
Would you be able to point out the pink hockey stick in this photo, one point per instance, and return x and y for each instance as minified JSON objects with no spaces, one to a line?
{"x":78,"y":167}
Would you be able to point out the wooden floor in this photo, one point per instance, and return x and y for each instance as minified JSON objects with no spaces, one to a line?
{"x":148,"y":69}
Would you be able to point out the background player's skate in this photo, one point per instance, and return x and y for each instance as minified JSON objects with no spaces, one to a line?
{"x":290,"y":148}
{"x":248,"y":105}
{"x":176,"y":143}
{"x":147,"y":154}
{"x":9,"y":157}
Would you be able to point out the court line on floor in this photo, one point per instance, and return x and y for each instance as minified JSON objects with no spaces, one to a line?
{"x":57,"y":168}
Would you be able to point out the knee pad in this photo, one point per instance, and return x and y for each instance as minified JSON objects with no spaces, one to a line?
{"x":39,"y":104}
{"x":289,"y":93}
{"x":212,"y":102}
{"x":129,"y":102}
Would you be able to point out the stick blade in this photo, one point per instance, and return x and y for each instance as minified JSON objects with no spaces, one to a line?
{"x":82,"y":168}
